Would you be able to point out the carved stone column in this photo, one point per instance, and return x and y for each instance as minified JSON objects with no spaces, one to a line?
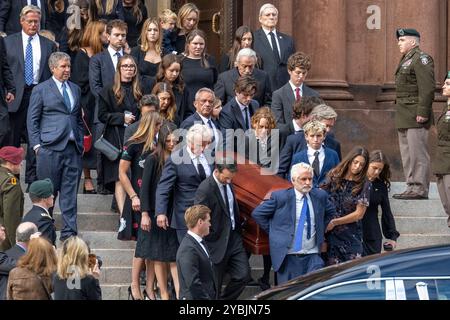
{"x":425,"y":17}
{"x":320,"y":31}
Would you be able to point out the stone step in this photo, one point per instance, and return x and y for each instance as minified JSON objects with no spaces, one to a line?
{"x":87,"y":203}
{"x":422,"y":225}
{"x":399,"y":187}
{"x":120,"y":292}
{"x":96,"y":221}
{"x":408,"y":240}
{"x":417,"y":208}
{"x":105,"y":240}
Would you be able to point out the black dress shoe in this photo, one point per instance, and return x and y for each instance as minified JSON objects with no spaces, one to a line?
{"x":85,"y":191}
{"x":413,"y":196}
{"x":263,"y":284}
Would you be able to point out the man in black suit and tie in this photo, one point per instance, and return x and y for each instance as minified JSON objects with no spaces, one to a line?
{"x":102,"y":68}
{"x":10,"y":13}
{"x":195,"y":268}
{"x":272,"y":46}
{"x":183,"y":172}
{"x":245,"y":66}
{"x":294,"y":90}
{"x":27,"y":54}
{"x":7,"y":92}
{"x":237,"y":113}
{"x":56,"y":131}
{"x":225,"y":240}
{"x":41,"y":196}
{"x":24,"y":232}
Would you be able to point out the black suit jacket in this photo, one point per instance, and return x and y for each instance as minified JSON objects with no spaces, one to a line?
{"x":10,"y":15}
{"x":15,"y":252}
{"x":224,"y":87}
{"x":6,"y":265}
{"x":15,"y":58}
{"x":195,"y":271}
{"x":208,"y":194}
{"x":6,"y":77}
{"x":277,"y":72}
{"x":44,"y":222}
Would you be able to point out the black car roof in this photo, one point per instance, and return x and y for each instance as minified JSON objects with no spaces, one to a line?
{"x":414,"y":262}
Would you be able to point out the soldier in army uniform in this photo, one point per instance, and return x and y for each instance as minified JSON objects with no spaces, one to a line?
{"x":11,"y":195}
{"x":415,"y":87}
{"x":41,"y":195}
{"x":441,"y":167}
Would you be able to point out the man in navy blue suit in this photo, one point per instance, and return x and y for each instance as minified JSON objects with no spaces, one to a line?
{"x":182,"y":174}
{"x":55,"y":129}
{"x":295,"y":220}
{"x":321,"y":158}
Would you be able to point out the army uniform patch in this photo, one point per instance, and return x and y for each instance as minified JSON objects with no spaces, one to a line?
{"x":13,"y":181}
{"x":424,"y":60}
{"x":407,"y":63}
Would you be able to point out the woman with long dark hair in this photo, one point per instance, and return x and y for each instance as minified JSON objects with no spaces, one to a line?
{"x":379,"y":175}
{"x":155,"y":243}
{"x":349,"y":191}
{"x":167,"y":102}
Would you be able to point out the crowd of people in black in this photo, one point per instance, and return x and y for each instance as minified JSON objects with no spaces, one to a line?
{"x":135,"y":81}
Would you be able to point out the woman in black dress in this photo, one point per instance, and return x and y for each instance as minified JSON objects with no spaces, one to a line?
{"x":56,"y":17}
{"x":148,"y":53}
{"x":134,"y":13}
{"x":170,"y":72}
{"x":118,"y":108}
{"x":155,"y":243}
{"x":378,"y":174}
{"x":197,"y":67}
{"x":243,"y":38}
{"x":92,"y":43}
{"x":349,"y":191}
{"x":188,"y":18}
{"x":106,"y":9}
{"x":136,"y":150}
{"x":167,"y":102}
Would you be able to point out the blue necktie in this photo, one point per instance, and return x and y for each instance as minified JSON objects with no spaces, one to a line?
{"x":34,"y":3}
{"x":29,"y":63}
{"x":66,"y":97}
{"x":304,"y":215}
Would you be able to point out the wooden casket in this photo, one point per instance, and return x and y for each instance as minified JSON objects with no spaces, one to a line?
{"x":251,"y":188}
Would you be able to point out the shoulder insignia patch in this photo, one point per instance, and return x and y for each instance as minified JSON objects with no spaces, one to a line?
{"x":13,"y":181}
{"x":424,"y":60}
{"x":407,"y":63}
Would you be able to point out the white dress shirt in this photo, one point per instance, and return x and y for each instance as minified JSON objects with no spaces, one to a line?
{"x":199,"y":240}
{"x":269,"y":38}
{"x":293,"y":87}
{"x":215,"y":131}
{"x":36,"y":46}
{"x":202,"y":159}
{"x":311,"y":156}
{"x":113,"y":54}
{"x":243,"y":111}
{"x":230,"y":199}
{"x":59,"y":85}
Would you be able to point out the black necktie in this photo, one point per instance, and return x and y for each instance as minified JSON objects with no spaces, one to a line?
{"x":201,"y":170}
{"x":274,"y":47}
{"x":212,"y":129}
{"x":246,"y":118}
{"x":34,"y":3}
{"x":316,"y":164}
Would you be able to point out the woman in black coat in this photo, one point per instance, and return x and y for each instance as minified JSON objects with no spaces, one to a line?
{"x":378,"y":174}
{"x":134,"y":13}
{"x":118,"y":108}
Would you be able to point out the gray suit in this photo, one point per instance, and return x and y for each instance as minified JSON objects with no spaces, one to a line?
{"x":50,"y":123}
{"x":283,"y":101}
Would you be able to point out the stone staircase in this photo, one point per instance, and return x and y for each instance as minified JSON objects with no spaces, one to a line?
{"x":420,"y":222}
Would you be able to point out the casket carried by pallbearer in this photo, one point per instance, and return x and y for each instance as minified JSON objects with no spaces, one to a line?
{"x":251,"y":188}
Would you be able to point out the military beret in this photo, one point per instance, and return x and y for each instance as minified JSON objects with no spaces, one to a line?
{"x":407,"y":32}
{"x":448,"y":75}
{"x":12,"y":154}
{"x":42,"y":188}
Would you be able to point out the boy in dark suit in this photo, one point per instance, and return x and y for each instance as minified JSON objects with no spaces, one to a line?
{"x":195,"y":268}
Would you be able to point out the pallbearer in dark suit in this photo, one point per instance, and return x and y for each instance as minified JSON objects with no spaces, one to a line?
{"x":41,"y":195}
{"x":225,"y":240}
{"x":272,"y":46}
{"x":56,"y":129}
{"x":195,"y":268}
{"x":295,"y":220}
{"x":27,"y":54}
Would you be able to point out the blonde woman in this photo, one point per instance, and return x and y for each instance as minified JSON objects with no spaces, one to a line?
{"x":148,"y":53}
{"x":73,"y":268}
{"x":136,"y":150}
{"x":188,"y":18}
{"x":32,"y":278}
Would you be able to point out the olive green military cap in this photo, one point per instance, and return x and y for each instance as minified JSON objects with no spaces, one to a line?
{"x":42,"y":188}
{"x":407,"y":32}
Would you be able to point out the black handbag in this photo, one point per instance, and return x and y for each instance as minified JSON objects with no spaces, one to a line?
{"x":109,"y":150}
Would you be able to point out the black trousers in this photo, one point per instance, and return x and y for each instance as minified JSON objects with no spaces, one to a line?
{"x":235,"y":264}
{"x":18,"y":129}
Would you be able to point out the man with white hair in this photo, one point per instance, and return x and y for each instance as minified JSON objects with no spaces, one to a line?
{"x":415,"y":85}
{"x":273,"y":47}
{"x":295,"y":220}
{"x":244,"y":66}
{"x":182,"y":174}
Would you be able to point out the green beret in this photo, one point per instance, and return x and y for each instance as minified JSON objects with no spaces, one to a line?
{"x":448,"y":75}
{"x":407,"y":32}
{"x":42,"y":188}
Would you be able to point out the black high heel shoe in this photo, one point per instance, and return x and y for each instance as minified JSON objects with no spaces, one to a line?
{"x":130,"y":294}
{"x":146,"y":296}
{"x":86,"y":191}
